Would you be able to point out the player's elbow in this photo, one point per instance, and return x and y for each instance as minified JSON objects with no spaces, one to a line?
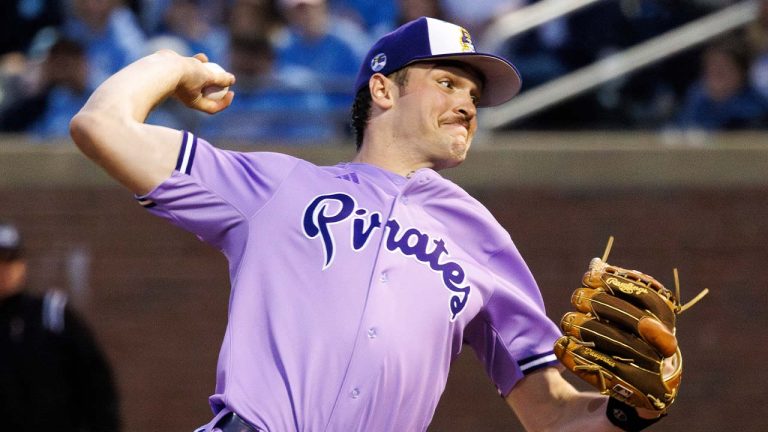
{"x":85,"y":129}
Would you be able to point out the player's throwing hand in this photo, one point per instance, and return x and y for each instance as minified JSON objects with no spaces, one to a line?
{"x":194,"y":88}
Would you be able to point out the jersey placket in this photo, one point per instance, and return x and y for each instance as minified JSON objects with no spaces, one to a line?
{"x":371,"y":343}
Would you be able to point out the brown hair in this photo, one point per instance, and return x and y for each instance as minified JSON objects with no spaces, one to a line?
{"x":361,"y":107}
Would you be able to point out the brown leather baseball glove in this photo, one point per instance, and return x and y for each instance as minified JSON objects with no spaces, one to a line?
{"x":622,"y":338}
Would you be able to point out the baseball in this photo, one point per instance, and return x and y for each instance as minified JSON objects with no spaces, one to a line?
{"x":214,"y":92}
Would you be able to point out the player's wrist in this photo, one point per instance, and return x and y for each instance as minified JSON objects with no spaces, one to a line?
{"x":629,"y":418}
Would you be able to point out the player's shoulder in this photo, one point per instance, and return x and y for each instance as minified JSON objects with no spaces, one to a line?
{"x":458,"y":192}
{"x":469,"y":209}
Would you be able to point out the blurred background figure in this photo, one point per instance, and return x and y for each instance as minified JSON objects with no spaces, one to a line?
{"x":21,"y":20}
{"x":254,"y":19}
{"x":47,"y":92}
{"x":409,"y":10}
{"x":375,"y":17}
{"x":53,"y":375}
{"x":187,"y":21}
{"x":756,"y":35}
{"x":539,"y":53}
{"x":477,"y":15}
{"x":313,"y":41}
{"x":110,"y":33}
{"x":723,"y":98}
{"x":317,"y":46}
{"x":151,"y":13}
{"x":271,"y":105}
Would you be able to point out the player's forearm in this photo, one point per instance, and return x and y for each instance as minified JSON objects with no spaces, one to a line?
{"x":134,"y":91}
{"x":110,"y":128}
{"x":544,"y":401}
{"x":579,"y":412}
{"x":107,"y":128}
{"x":584,"y":411}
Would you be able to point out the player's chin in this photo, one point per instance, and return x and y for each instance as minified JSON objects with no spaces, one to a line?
{"x":458,"y":155}
{"x":460,"y":148}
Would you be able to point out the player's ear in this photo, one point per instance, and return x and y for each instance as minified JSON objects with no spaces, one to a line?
{"x":382,"y":91}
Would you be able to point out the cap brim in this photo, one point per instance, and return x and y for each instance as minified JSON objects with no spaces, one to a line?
{"x":502,"y":80}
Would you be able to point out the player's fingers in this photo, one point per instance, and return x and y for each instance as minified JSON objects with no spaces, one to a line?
{"x":212,"y":106}
{"x":621,"y":313}
{"x":217,"y":76}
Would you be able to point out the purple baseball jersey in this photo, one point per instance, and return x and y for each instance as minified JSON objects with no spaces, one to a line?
{"x":353,"y":288}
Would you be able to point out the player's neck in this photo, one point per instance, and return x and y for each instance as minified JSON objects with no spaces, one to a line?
{"x":388,"y":157}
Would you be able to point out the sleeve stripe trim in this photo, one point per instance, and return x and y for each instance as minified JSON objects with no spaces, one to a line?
{"x":187,"y":153}
{"x":537,"y":361}
{"x":146,"y":203}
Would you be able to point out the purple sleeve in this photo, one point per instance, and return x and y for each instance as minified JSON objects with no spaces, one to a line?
{"x":212,"y":191}
{"x":512,"y":336}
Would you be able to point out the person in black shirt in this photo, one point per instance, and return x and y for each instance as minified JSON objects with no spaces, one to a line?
{"x":53,"y":375}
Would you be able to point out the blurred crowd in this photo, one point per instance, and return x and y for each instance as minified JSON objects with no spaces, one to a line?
{"x":295,"y":61}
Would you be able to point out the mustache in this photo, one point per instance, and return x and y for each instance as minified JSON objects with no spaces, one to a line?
{"x":458,"y":119}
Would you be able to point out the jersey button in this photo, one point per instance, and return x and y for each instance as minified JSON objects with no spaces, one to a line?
{"x":372,"y":333}
{"x":355,"y":393}
{"x":404,"y":199}
{"x":383,"y":277}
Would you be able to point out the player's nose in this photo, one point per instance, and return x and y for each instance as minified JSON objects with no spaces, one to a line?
{"x":465,"y":105}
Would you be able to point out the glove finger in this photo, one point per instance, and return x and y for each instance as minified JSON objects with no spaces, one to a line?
{"x":623,"y":314}
{"x":619,"y":379}
{"x":637,"y":288}
{"x":610,"y":340}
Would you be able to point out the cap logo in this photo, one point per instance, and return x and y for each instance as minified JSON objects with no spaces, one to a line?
{"x":378,"y":62}
{"x":466,"y":41}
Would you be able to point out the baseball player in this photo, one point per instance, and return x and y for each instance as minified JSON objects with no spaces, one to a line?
{"x":354,"y":286}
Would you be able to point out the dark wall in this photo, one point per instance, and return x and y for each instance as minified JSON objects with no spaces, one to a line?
{"x":157,"y":297}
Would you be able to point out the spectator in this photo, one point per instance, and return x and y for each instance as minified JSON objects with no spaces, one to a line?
{"x":310,"y":43}
{"x":409,"y":10}
{"x":20,"y":83}
{"x":376,"y":17}
{"x":723,"y":99}
{"x":644,"y":99}
{"x":186,"y":19}
{"x":53,"y":376}
{"x":253,"y":19}
{"x":268,"y":107}
{"x":757,"y":39}
{"x":151,"y":13}
{"x":20,"y":20}
{"x":476,"y":17}
{"x":110,"y":33}
{"x":62,"y":86}
{"x":538,"y":52}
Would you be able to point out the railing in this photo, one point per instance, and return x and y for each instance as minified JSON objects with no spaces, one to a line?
{"x":527,"y":18}
{"x":622,"y":63}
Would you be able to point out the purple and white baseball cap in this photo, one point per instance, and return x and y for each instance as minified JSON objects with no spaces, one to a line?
{"x":430,"y":39}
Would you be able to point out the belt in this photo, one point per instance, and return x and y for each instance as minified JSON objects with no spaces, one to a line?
{"x":233,"y":423}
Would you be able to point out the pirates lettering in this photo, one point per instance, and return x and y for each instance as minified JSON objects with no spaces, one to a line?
{"x":327,"y":210}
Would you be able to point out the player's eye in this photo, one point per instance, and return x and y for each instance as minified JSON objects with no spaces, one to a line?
{"x":446,"y":83}
{"x":475,"y":100}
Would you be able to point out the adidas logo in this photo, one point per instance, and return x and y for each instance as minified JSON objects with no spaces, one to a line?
{"x":349,"y":177}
